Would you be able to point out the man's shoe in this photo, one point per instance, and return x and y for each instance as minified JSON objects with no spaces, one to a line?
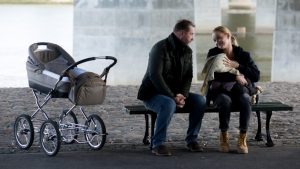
{"x":242,"y":144}
{"x":224,"y":145}
{"x":161,"y":150}
{"x":194,"y":147}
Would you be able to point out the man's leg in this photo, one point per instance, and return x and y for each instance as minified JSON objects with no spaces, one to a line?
{"x":196,"y":105}
{"x":164,"y":107}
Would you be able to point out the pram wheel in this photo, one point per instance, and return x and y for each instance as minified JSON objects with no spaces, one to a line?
{"x":23,"y":131}
{"x":50,"y":139}
{"x":68,"y":127}
{"x":95,"y":133}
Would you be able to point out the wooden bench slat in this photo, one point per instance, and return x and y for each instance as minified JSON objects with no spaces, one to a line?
{"x":262,"y":106}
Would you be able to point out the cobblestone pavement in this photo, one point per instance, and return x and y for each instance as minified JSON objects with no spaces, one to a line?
{"x":128,"y":130}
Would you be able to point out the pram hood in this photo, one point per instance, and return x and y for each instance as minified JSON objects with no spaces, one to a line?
{"x":45,"y":64}
{"x":52,"y":57}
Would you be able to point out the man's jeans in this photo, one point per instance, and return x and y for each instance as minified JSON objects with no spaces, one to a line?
{"x":165,"y":107}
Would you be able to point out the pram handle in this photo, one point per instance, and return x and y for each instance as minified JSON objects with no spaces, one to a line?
{"x":77,"y":63}
{"x":91,"y":59}
{"x":109,"y":58}
{"x":104,"y":73}
{"x":106,"y":70}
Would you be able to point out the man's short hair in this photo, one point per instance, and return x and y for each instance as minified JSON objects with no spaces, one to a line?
{"x":183,"y":24}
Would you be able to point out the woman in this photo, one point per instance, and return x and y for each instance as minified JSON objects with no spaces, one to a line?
{"x":228,"y":90}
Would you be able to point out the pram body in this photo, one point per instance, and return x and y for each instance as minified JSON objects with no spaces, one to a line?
{"x":53,"y":73}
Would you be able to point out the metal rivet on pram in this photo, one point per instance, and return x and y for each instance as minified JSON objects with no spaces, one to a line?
{"x":53,"y":73}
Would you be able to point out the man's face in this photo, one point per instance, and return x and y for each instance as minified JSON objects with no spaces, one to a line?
{"x":188,"y":35}
{"x":221,"y":40}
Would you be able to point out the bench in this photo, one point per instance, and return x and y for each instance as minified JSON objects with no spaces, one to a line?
{"x":267,"y":107}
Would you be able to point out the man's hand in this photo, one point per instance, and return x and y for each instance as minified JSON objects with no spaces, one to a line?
{"x":241,"y":80}
{"x":230,"y":63}
{"x":180,"y":100}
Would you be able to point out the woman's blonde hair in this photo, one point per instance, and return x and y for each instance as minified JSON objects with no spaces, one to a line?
{"x":225,"y":30}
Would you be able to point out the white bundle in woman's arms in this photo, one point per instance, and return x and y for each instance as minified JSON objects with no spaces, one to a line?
{"x":216,"y":64}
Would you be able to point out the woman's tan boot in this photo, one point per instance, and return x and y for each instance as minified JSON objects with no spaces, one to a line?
{"x":242,"y":144}
{"x":224,"y":145}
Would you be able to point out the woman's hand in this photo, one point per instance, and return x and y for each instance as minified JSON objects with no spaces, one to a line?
{"x":241,"y":80}
{"x":230,"y":63}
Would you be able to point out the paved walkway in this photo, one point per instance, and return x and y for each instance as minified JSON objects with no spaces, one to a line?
{"x":258,"y":158}
{"x":124,"y":129}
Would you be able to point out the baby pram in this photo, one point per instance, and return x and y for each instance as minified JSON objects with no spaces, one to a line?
{"x":53,"y":73}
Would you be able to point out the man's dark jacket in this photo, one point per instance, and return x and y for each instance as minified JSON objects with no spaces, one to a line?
{"x":170,"y":69}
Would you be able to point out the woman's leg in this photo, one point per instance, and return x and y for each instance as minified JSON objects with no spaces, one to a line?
{"x":223,"y":102}
{"x":244,"y":102}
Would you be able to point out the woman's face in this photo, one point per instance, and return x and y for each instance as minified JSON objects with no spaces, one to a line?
{"x":222,"y":40}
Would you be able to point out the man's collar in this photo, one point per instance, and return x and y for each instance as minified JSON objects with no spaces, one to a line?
{"x":177,"y":43}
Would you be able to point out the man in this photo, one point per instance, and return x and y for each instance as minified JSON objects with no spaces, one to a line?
{"x":166,"y":86}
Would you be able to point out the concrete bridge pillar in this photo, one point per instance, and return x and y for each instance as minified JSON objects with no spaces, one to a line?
{"x":126,"y":29}
{"x":208,"y":15}
{"x":286,"y":44}
{"x":265,"y":16}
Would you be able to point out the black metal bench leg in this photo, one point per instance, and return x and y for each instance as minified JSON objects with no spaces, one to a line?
{"x":258,"y":136}
{"x":153,"y":120}
{"x":146,"y":136}
{"x":269,"y":139}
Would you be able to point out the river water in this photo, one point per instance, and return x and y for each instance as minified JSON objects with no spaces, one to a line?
{"x":22,"y":25}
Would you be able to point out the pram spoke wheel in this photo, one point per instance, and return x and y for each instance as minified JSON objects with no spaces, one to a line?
{"x":68,"y":127}
{"x":95,"y":133}
{"x":23,"y":131}
{"x":50,"y":139}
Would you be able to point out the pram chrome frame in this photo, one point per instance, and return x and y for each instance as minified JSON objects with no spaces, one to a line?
{"x":60,"y":127}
